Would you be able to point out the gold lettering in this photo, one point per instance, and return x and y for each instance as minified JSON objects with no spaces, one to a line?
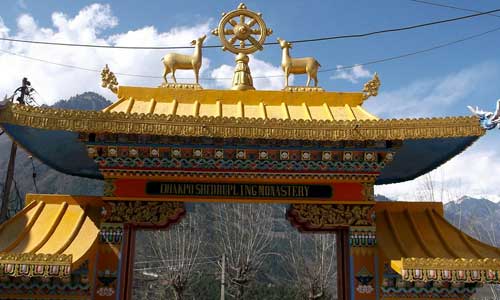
{"x":255,"y":192}
{"x":199,"y":190}
{"x":236,"y":190}
{"x":306,"y":188}
{"x":163,"y":188}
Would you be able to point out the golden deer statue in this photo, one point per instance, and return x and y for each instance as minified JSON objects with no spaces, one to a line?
{"x":303,"y":65}
{"x":176,"y":61}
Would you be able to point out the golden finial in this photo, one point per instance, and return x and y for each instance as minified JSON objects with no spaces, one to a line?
{"x":108,"y":79}
{"x":251,"y":36}
{"x":371,"y":87}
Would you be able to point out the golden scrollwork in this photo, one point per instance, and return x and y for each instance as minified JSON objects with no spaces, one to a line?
{"x":370,"y":88}
{"x":329,"y":216}
{"x":368,"y":192}
{"x":449,"y":269}
{"x":109,"y":188}
{"x":450,"y":263}
{"x":108,"y":79}
{"x":192,"y":126}
{"x":31,"y":264}
{"x":303,"y":89}
{"x":184,"y":86}
{"x":152,"y":213}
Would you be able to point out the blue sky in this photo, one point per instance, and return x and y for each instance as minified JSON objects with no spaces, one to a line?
{"x":437,"y":83}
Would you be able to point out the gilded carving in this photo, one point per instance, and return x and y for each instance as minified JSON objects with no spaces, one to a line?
{"x":154,"y":213}
{"x":329,"y":216}
{"x":108,"y":79}
{"x":371,"y":87}
{"x":31,"y":264}
{"x":450,"y":263}
{"x":368,"y":192}
{"x":109,"y":188}
{"x":190,"y":126}
{"x":448,"y":269}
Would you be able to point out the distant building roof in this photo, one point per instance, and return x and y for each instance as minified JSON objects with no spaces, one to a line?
{"x":51,"y":236}
{"x":422,"y":245}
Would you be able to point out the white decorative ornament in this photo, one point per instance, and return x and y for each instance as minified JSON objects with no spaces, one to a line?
{"x":368,"y":156}
{"x":133,"y":152}
{"x":327,"y":156}
{"x":365,"y":289}
{"x":306,"y":155}
{"x":219,"y":153}
{"x":197,"y":153}
{"x":176,"y":152}
{"x":240,"y":154}
{"x":284,"y":155}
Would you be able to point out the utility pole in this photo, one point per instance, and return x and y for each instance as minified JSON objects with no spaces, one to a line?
{"x":223,"y":277}
{"x":9,"y":177}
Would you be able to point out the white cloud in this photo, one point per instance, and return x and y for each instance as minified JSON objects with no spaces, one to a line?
{"x":273,"y":75}
{"x":87,"y":27}
{"x":353,"y":74}
{"x":470,"y":173}
{"x":4,"y":31}
{"x":429,"y":97}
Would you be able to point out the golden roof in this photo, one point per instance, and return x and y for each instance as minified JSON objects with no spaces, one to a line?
{"x":280,"y":105}
{"x":416,"y":236}
{"x":52,"y":230}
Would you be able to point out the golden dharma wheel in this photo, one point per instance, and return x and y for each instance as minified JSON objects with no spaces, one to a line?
{"x":242,"y":31}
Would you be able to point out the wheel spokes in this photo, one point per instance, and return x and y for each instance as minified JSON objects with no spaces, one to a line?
{"x":252,"y":22}
{"x":256,"y":31}
{"x":228,"y":31}
{"x":242,"y":19}
{"x":242,"y":44}
{"x":232,"y":22}
{"x":255,"y":42}
{"x":232,"y":40}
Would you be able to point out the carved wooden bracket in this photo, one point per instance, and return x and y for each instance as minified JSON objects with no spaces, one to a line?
{"x":145,"y":213}
{"x":328,"y":217}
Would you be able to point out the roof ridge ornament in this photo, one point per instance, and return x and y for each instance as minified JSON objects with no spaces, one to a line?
{"x":176,"y":61}
{"x":370,"y":88}
{"x":108,"y":79}
{"x":487,"y":119}
{"x":302,"y":65}
{"x":244,"y":33}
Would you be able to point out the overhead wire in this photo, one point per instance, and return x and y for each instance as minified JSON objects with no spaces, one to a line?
{"x":411,"y":27}
{"x":338,"y":68}
{"x":450,"y":6}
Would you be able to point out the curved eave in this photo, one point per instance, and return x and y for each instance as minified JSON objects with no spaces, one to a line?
{"x":61,"y":150}
{"x":51,"y":135}
{"x":51,"y":236}
{"x":422,"y":246}
{"x":418,"y":157}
